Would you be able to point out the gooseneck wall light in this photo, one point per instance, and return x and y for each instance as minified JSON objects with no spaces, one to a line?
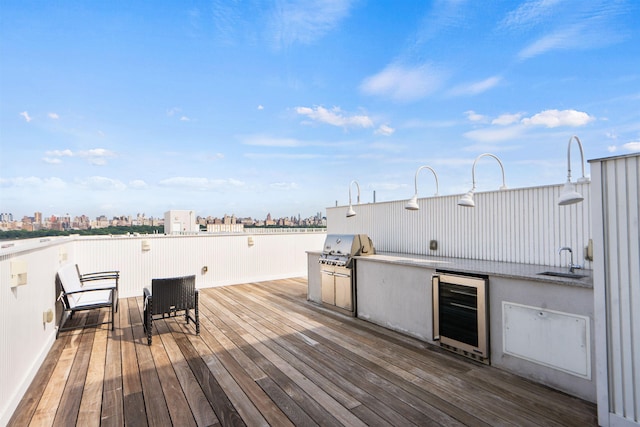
{"x":569,"y":195}
{"x":467,"y":199}
{"x":351,"y":212}
{"x":412,"y":205}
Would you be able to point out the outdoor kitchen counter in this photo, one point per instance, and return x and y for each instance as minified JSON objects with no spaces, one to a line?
{"x":529,"y":272}
{"x":394,"y":290}
{"x":554,"y":314}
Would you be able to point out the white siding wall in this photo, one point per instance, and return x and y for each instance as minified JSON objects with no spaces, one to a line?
{"x":25,"y":339}
{"x":521,"y":225}
{"x":229,"y":258}
{"x":616,"y":206}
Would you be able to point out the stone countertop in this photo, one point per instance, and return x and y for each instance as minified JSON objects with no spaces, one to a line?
{"x":529,"y":272}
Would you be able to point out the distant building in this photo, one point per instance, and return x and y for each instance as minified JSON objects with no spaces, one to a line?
{"x":225,"y":228}
{"x":179,"y":222}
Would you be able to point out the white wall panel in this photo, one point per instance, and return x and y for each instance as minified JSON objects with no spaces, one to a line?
{"x":617,"y":288}
{"x":228,"y":257}
{"x":521,"y":225}
{"x":548,"y":337}
{"x":25,"y":338}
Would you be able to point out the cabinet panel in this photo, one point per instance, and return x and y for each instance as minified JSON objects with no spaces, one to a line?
{"x":550,"y":338}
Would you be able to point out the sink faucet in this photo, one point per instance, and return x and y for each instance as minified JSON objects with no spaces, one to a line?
{"x":572,"y":266}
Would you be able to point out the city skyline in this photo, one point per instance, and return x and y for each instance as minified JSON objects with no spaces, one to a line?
{"x":258,"y":107}
{"x":41,"y":218}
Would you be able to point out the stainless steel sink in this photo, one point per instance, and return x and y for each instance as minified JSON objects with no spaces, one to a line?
{"x":562,"y":274}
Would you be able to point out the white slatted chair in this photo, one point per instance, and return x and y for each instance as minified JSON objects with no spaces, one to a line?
{"x":86,"y":292}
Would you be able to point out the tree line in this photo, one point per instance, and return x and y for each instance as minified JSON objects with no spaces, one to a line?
{"x":24,"y":234}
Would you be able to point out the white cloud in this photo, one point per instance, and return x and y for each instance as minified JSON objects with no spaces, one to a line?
{"x":385,"y":130}
{"x":528,"y":13}
{"x":295,"y":21}
{"x":283,"y":156}
{"x":557,"y":118}
{"x":26,"y":116}
{"x":101,"y":183}
{"x":267,"y":141}
{"x":334,"y":117}
{"x":494,"y":134}
{"x":632,"y":146}
{"x":173,"y":111}
{"x":566,"y":38}
{"x":284,"y":186}
{"x":198,"y":183}
{"x":589,"y":33}
{"x":97,"y":156}
{"x":260,"y":107}
{"x":53,"y":116}
{"x":34,"y":183}
{"x":612,"y":148}
{"x":138,"y":184}
{"x":60,"y":153}
{"x":477,"y":87}
{"x":404,"y":84}
{"x":185,"y":119}
{"x":475,"y":117}
{"x":54,"y":183}
{"x":54,"y":156}
{"x":506,"y":119}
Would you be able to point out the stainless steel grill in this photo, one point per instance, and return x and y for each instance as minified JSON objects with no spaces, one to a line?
{"x":338,"y":279}
{"x":339,"y":249}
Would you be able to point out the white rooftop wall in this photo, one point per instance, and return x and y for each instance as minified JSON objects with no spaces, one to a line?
{"x":520,"y":225}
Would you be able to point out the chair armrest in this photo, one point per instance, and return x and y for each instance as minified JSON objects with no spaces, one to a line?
{"x":101,"y":275}
{"x":146,"y":293}
{"x":108,"y":288}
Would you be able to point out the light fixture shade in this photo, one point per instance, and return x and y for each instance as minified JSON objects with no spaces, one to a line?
{"x":467,"y":200}
{"x":569,"y":195}
{"x":351,"y":212}
{"x":412,"y":205}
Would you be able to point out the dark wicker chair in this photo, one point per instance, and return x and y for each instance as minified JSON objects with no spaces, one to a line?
{"x":76,"y":294}
{"x":169,"y":296}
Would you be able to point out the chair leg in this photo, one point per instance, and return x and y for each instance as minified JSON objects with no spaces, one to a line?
{"x":197,"y":314}
{"x":149,"y":320}
{"x":61,"y":323}
{"x":113,"y":308}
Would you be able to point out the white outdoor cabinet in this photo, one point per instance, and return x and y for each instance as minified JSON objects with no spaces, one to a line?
{"x":615,"y":195}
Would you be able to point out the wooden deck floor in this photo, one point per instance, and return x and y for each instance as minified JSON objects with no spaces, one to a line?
{"x":265,"y":356}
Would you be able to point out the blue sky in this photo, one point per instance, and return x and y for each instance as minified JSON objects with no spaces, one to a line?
{"x":251,"y":107}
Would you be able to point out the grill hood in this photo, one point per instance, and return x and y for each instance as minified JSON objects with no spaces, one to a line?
{"x":339,"y":249}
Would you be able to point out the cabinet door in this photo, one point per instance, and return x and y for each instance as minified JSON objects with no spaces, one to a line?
{"x":327,"y":285}
{"x":344,"y":295}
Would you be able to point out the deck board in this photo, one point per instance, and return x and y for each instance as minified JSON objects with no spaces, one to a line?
{"x":267,"y":356}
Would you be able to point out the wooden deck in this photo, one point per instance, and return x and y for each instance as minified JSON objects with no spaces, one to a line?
{"x":266,"y":356}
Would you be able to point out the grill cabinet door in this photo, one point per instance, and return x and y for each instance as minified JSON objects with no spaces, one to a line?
{"x":344,"y":294}
{"x":327,"y":284}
